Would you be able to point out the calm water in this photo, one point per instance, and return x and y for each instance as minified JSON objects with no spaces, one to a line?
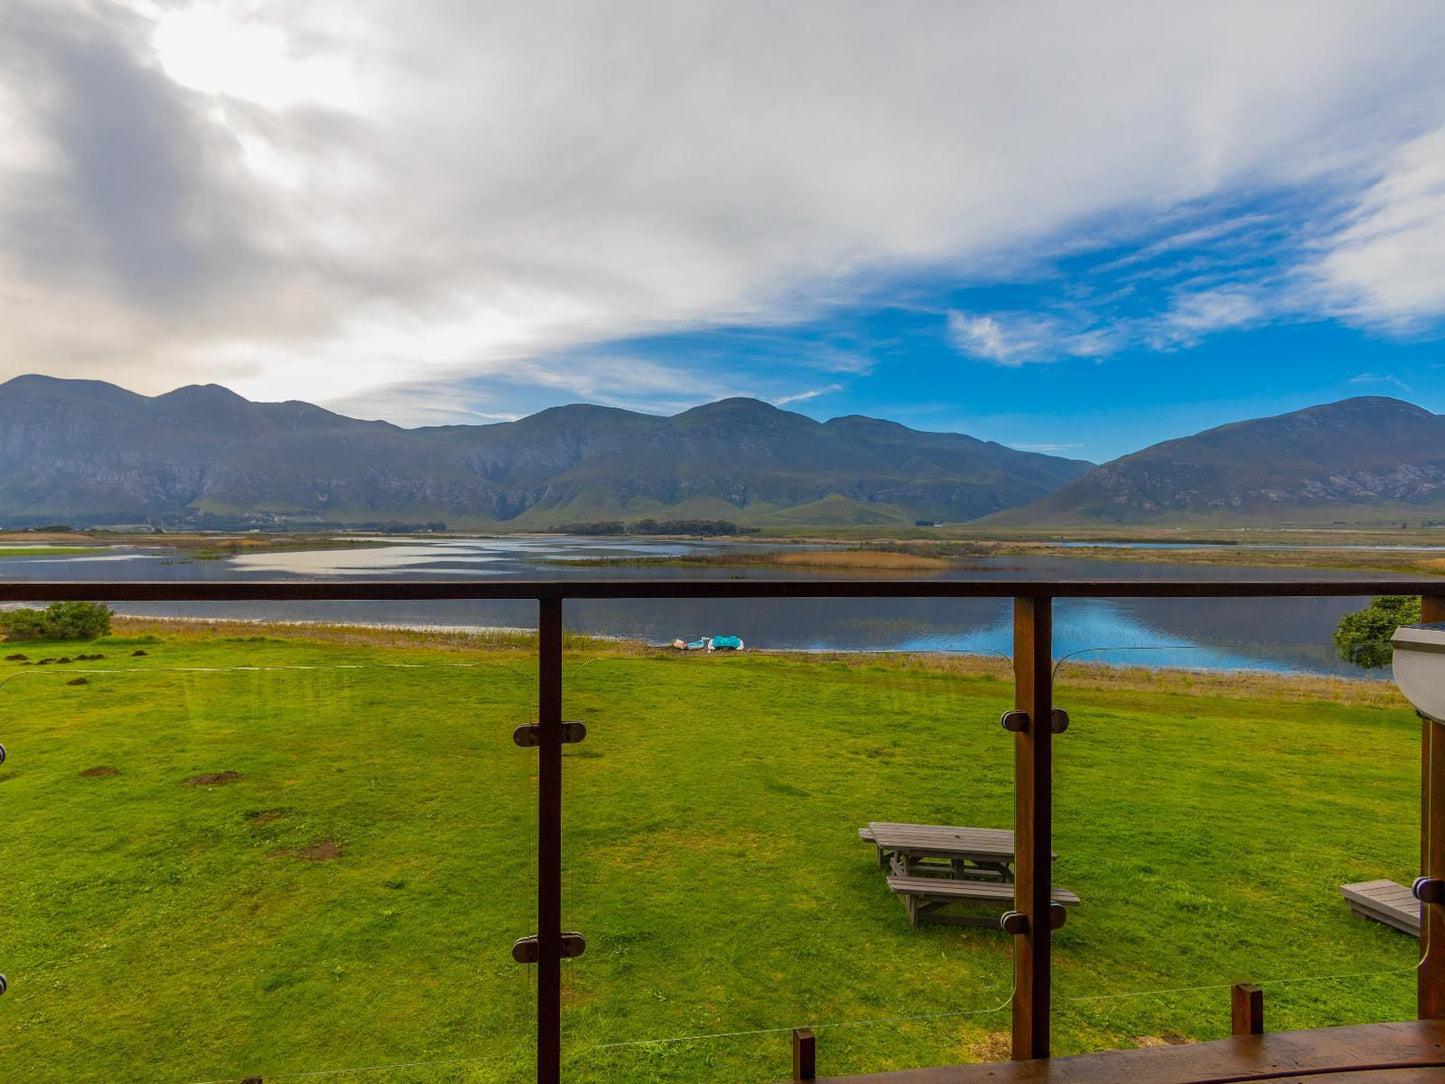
{"x":1273,"y":634}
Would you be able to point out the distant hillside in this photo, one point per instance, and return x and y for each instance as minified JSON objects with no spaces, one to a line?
{"x":89,"y":453}
{"x":1360,"y":460}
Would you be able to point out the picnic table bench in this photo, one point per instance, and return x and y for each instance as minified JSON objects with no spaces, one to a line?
{"x":934,"y":866}
{"x":925,"y":897}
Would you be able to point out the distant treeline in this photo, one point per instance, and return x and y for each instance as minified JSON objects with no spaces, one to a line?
{"x":708,"y":527}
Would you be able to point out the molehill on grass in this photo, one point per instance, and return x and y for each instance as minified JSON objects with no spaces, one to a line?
{"x":212,"y":779}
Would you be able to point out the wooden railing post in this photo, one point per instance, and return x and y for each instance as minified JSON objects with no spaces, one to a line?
{"x":1033,"y":823}
{"x":805,"y":1062}
{"x":1430,"y":975}
{"x":1246,"y":1009}
{"x":549,"y":841}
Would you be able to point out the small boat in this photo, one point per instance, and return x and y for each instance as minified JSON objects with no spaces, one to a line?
{"x":726,"y":643}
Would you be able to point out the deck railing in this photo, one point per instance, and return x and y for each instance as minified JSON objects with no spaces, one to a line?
{"x":1033,"y":721}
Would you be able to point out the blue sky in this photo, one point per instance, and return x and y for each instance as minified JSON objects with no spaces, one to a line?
{"x":1122,"y":340}
{"x":1094,"y":354}
{"x":1035,"y":223}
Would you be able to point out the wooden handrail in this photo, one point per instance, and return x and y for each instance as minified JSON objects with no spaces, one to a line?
{"x":414,"y":590}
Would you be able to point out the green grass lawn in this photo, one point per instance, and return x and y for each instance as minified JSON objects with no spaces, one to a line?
{"x":350,"y":898}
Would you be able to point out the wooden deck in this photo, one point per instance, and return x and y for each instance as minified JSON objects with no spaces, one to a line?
{"x":1407,"y":1053}
{"x":1384,"y":901}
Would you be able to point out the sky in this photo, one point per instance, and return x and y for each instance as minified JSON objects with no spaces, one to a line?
{"x":1073,"y":228}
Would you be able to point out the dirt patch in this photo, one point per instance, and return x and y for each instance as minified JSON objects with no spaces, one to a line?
{"x":324,"y":851}
{"x":138,"y":654}
{"x":78,"y":681}
{"x":99,"y":773}
{"x":16,"y":658}
{"x":1169,"y":1038}
{"x":265,"y":816}
{"x":212,"y":779}
{"x":992,"y":1046}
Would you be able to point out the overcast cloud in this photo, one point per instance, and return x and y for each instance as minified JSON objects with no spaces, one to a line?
{"x":366,"y":203}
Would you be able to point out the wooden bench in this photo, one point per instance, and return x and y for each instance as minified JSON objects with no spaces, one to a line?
{"x":924,"y":897}
{"x":1384,"y":901}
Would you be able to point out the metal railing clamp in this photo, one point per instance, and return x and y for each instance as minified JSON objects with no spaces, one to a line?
{"x":528,"y":736}
{"x":525,"y":949}
{"x":1429,"y":889}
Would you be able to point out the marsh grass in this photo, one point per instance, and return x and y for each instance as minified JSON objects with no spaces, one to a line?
{"x":869,"y":559}
{"x":48,"y":551}
{"x":349,"y":896}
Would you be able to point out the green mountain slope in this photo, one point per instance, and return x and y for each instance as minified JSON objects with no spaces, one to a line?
{"x":86,"y":452}
{"x":1360,"y":460}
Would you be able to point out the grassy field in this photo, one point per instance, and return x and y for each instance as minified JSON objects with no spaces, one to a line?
{"x":47,"y":551}
{"x":913,"y":557}
{"x":348,"y":897}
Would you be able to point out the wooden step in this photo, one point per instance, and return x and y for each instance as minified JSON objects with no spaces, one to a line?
{"x":1384,"y":901}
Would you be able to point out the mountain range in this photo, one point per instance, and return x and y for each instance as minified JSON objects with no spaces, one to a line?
{"x":90,"y":453}
{"x":1369,"y":459}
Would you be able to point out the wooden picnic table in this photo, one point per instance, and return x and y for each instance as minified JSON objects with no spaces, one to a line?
{"x":935,"y":867}
{"x":943,"y":850}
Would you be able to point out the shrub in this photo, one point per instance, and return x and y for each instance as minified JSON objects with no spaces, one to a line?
{"x":708,"y":527}
{"x":23,"y":625}
{"x":1363,"y":637}
{"x":593,"y":527}
{"x":58,"y":621}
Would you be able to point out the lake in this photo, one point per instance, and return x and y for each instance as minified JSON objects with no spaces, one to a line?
{"x":1268,"y":634}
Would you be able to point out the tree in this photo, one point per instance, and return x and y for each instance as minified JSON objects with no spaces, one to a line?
{"x":58,"y":621}
{"x":1363,"y":637}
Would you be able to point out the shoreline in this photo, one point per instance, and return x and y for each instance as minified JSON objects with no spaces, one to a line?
{"x":1246,"y":683}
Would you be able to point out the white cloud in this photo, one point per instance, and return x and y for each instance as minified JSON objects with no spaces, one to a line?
{"x":804,"y":396}
{"x":1019,"y":337}
{"x":1193,"y":315}
{"x":1387,"y":265}
{"x":326,"y":200}
{"x":1046,"y":448}
{"x":1381,"y":378}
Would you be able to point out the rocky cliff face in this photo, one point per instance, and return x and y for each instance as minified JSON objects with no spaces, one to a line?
{"x":1344,"y":460}
{"x":86,"y":452}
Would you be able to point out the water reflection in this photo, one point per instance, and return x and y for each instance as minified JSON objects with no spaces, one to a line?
{"x":1275,"y":634}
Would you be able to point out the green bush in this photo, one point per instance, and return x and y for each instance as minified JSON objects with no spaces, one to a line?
{"x":58,"y":621}
{"x":23,"y":625}
{"x":1363,"y":637}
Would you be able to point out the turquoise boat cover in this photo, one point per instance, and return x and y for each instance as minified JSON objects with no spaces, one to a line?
{"x":726,"y":643}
